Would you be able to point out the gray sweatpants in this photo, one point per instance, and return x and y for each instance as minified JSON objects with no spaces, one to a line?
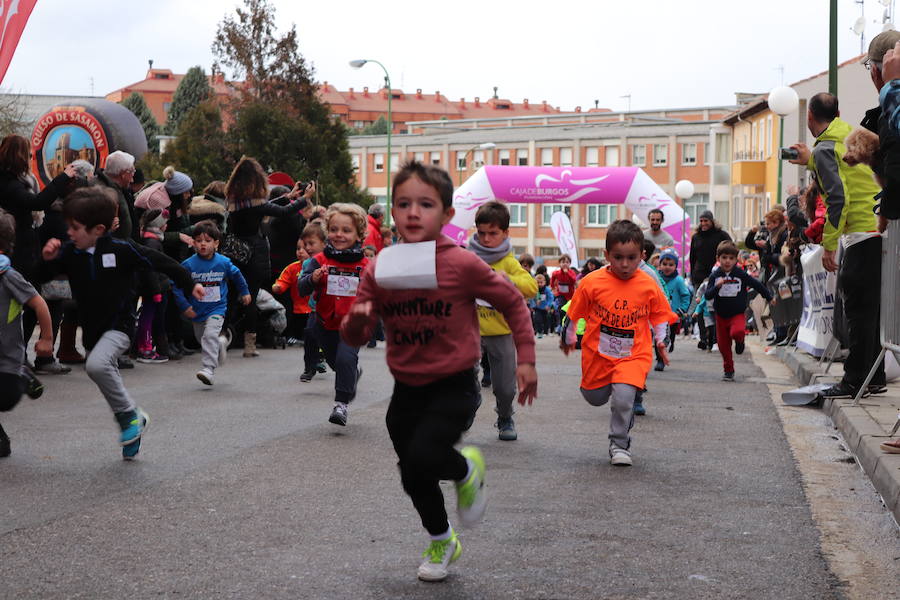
{"x":501,"y":352}
{"x":622,"y":419}
{"x":102,"y":367}
{"x":207,"y":333}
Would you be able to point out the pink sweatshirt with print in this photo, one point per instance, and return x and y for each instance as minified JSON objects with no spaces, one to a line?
{"x":432,"y":334}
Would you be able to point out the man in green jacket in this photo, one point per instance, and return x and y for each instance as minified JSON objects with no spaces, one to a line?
{"x":849,"y":194}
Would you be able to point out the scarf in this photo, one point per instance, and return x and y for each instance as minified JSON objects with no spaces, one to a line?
{"x":352,"y":254}
{"x":489,"y":255}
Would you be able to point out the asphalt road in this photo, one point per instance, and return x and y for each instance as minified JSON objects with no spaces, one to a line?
{"x":245,"y":491}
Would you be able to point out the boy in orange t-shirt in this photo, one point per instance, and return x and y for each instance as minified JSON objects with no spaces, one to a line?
{"x":621,"y":304}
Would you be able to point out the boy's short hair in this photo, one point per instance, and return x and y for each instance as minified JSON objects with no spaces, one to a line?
{"x":624,"y":231}
{"x":493,"y":213}
{"x":526,"y":258}
{"x":313,"y":230}
{"x":209,"y":227}
{"x":431,"y":175}
{"x":727,"y":248}
{"x":649,"y":248}
{"x":7,"y":232}
{"x":355,"y":212}
{"x":564,"y":257}
{"x":92,"y":206}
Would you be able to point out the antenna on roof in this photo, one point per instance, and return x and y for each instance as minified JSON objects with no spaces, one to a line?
{"x":495,"y":93}
{"x":150,"y":63}
{"x":596,"y":104}
{"x":780,"y":68}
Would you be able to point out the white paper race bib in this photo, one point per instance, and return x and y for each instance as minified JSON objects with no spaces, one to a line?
{"x":563,"y":288}
{"x":341,"y":283}
{"x":484,"y":303}
{"x":730,"y":288}
{"x":109,"y":261}
{"x":211,"y":293}
{"x":616,"y":343}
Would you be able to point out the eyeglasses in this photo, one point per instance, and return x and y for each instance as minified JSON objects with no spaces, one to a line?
{"x":869,"y":63}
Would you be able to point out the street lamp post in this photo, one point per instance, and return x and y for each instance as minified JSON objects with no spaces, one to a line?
{"x":783,"y":101}
{"x":484,"y":146}
{"x":684,"y":189}
{"x":357,"y":64}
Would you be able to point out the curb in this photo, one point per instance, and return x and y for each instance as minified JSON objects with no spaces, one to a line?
{"x":862,"y":433}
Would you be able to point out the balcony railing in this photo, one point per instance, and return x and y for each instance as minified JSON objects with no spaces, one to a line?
{"x":749,"y":155}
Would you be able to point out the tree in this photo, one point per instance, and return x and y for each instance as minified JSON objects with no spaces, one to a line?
{"x":193,"y":89}
{"x":379,"y":127}
{"x":135,"y":103}
{"x":200,"y":148}
{"x":12,"y":115}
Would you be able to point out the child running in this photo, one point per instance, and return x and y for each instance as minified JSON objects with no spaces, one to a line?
{"x":562,"y":281}
{"x":676,"y":291}
{"x":211,"y":270}
{"x":313,"y":239}
{"x":334,"y":276}
{"x":542,"y":305}
{"x":101,"y":271}
{"x":727,"y":288}
{"x":491,"y":244}
{"x":432,"y":348}
{"x":287,"y":282}
{"x":621,"y":304}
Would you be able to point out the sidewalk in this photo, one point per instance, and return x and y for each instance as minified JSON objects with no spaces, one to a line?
{"x":864,"y":427}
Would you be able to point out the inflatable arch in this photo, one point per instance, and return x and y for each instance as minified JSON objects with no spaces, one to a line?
{"x":630,"y":186}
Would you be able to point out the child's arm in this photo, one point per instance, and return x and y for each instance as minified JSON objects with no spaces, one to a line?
{"x":44,"y":345}
{"x":715,"y":282}
{"x":283,"y":283}
{"x":237,"y":278}
{"x":149,"y":259}
{"x":660,"y":316}
{"x":756,"y":284}
{"x":358,"y":325}
{"x":306,"y":285}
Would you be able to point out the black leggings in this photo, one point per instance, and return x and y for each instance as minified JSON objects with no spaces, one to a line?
{"x":424,"y":423}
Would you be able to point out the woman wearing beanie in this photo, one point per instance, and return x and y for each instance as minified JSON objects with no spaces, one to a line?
{"x":703,"y":247}
{"x":247,"y":196}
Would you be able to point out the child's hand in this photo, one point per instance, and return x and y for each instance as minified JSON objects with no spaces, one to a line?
{"x":663,"y":353}
{"x":197,"y":292}
{"x":319,"y":273}
{"x":186,"y":239}
{"x":773,"y":301}
{"x":276,"y":289}
{"x":566,"y":348}
{"x":245,"y":299}
{"x":359,"y":316}
{"x":51,"y":249}
{"x":44,"y":347}
{"x":719,"y":283}
{"x":189,"y":313}
{"x":526,"y":377}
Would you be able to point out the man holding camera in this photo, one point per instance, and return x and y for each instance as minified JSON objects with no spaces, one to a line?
{"x":849,"y":194}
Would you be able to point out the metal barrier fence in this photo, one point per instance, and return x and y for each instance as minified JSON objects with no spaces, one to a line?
{"x":890,"y":301}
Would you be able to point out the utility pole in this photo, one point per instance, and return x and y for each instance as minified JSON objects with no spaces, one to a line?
{"x":832,"y":50}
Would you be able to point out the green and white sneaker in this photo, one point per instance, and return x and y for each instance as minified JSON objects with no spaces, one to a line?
{"x":438,"y":555}
{"x":471,"y":497}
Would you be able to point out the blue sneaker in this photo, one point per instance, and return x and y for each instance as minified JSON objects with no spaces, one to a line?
{"x":130,"y":451}
{"x":131,"y":424}
{"x":639,"y":409}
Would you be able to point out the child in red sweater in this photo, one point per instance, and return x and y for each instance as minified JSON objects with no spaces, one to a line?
{"x":432,"y":348}
{"x":562,"y":281}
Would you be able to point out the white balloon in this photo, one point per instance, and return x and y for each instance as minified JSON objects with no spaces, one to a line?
{"x":684,"y":189}
{"x":783,"y":100}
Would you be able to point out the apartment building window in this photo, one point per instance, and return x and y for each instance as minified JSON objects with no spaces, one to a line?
{"x":460,"y":160}
{"x":548,"y":251}
{"x":522,"y":158}
{"x":395,"y":162}
{"x":359,"y":124}
{"x":706,"y":153}
{"x":592,"y":157}
{"x":547,"y":211}
{"x":546,"y":157}
{"x":600,"y":215}
{"x":769,"y":136}
{"x":420,"y":157}
{"x":660,"y":155}
{"x":355,"y":159}
{"x":436,"y":159}
{"x":689,"y":154}
{"x":478,"y":159}
{"x":504,"y":157}
{"x":638,"y":155}
{"x":565,"y":157}
{"x":379,"y":163}
{"x":612,"y":156}
{"x":518,"y":215}
{"x":694,"y":206}
{"x":166,"y":107}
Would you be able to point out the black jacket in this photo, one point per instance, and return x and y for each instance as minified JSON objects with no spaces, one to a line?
{"x":103,"y":283}
{"x":734,"y":305}
{"x":128,"y":225}
{"x":703,"y":252}
{"x":886,"y":161}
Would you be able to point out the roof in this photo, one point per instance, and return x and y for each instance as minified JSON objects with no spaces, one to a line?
{"x":855,"y":59}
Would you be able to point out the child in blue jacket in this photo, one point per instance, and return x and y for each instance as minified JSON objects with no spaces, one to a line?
{"x":675,"y":288}
{"x":541,"y":306}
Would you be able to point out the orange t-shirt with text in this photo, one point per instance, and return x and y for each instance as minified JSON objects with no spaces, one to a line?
{"x":617,"y":346}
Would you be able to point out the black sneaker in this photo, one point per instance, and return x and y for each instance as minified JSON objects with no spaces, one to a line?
{"x":33,"y":386}
{"x":839,"y":390}
{"x":321,"y":368}
{"x":307,"y":376}
{"x":125,"y":363}
{"x":728,"y":376}
{"x":338,"y":414}
{"x":507,"y":429}
{"x":4,"y":444}
{"x":876,"y":388}
{"x":660,"y":366}
{"x":739,"y":347}
{"x":485,"y":382}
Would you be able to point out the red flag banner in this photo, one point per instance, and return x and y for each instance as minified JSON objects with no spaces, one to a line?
{"x":14,"y":15}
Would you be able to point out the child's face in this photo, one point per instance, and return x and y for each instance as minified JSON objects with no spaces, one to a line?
{"x":418,"y":211}
{"x":624,"y":259}
{"x":655,"y":261}
{"x":726,"y":261}
{"x":82,"y":237}
{"x":540,"y":280}
{"x":369,"y":253}
{"x":313,"y":245}
{"x":564,"y":263}
{"x":301,"y":250}
{"x":388,"y":239}
{"x":342,"y":231}
{"x":667,"y":266}
{"x":490,"y":235}
{"x":205,"y":245}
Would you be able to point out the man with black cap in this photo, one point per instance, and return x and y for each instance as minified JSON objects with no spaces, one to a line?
{"x":703,"y":247}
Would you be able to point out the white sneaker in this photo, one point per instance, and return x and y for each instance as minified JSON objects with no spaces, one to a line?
{"x":438,"y":556}
{"x":619,"y":457}
{"x":206,"y":376}
{"x":223,"y":349}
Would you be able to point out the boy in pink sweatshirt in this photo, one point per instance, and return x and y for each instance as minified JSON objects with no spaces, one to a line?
{"x":432,"y":348}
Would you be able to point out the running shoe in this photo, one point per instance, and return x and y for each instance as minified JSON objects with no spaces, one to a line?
{"x":471,"y":496}
{"x":130,"y":451}
{"x":48,"y":366}
{"x":639,"y":410}
{"x":875,"y":388}
{"x":33,"y":386}
{"x":739,"y":347}
{"x":438,"y":555}
{"x":306,"y":376}
{"x":321,"y":367}
{"x":839,"y":390}
{"x":660,"y":366}
{"x":728,"y":376}
{"x":507,"y":428}
{"x":338,"y":414}
{"x":619,"y":457}
{"x":152,"y":357}
{"x":206,"y":376}
{"x":132,"y":424}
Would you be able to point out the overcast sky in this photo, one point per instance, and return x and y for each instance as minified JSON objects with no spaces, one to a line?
{"x":665,"y":53}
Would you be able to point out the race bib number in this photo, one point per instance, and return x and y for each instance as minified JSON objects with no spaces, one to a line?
{"x":211,"y":293}
{"x":616,"y":343}
{"x":484,"y":303}
{"x":342,"y":283}
{"x":109,"y":261}
{"x":563,"y":288}
{"x":730,"y":288}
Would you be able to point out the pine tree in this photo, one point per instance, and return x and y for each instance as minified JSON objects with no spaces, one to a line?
{"x":193,"y":89}
{"x":200,"y":147}
{"x":136,"y":104}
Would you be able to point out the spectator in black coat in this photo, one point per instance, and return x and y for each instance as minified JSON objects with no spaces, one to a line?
{"x":703,"y":247}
